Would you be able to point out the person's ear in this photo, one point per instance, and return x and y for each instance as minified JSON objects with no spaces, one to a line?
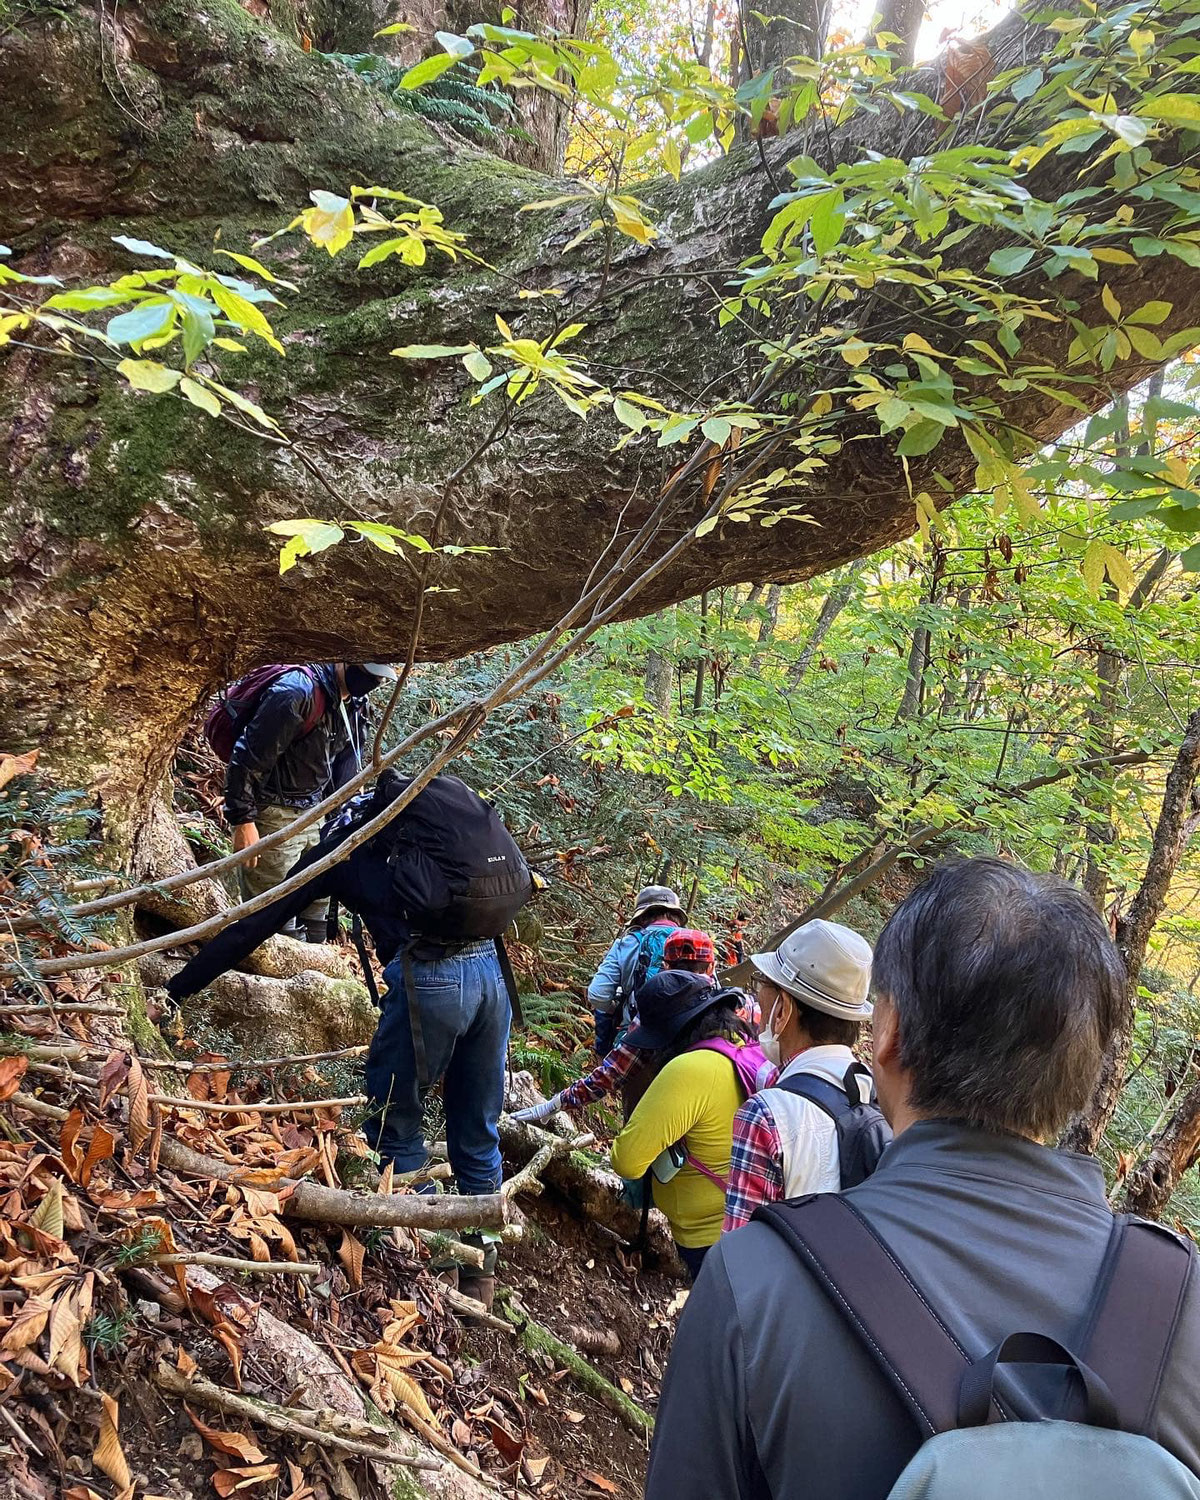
{"x":885,"y":1036}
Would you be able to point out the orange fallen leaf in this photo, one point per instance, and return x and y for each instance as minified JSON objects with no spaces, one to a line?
{"x":108,"y":1453}
{"x":230,"y":1481}
{"x":12,"y":1070}
{"x":234,"y":1444}
{"x":16,"y":765}
{"x":100,"y":1148}
{"x":68,"y":1143}
{"x":599,"y":1481}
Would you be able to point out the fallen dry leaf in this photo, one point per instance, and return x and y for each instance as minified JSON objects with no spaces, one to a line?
{"x":28,"y":1325}
{"x":99,"y":1148}
{"x":536,"y":1467}
{"x":184,"y":1363}
{"x":68,"y":1143}
{"x":48,"y":1217}
{"x":573,"y":1416}
{"x":66,"y":1341}
{"x":12,"y":1070}
{"x":231,"y":1443}
{"x":113,"y":1075}
{"x":139,"y":1106}
{"x":599,"y":1481}
{"x":508,"y":1447}
{"x":352,"y":1252}
{"x":231,"y":1481}
{"x":108,"y":1454}
{"x":460,"y":1433}
{"x":16,"y":765}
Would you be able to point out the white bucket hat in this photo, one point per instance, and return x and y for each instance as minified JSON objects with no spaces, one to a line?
{"x":825,"y":965}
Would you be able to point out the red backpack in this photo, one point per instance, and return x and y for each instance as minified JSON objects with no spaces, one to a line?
{"x":235,"y":707}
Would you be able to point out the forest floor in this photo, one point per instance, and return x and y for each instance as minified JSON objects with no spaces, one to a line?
{"x":92,"y":1333}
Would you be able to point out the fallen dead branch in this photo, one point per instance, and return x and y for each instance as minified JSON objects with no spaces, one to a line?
{"x":538,"y":1339}
{"x":324,"y":1205}
{"x":234,"y":1263}
{"x":528,"y":1179}
{"x":287,"y":1106}
{"x":447,"y":1449}
{"x":326,"y":1428}
{"x":468,"y":1307}
{"x":66,"y":1007}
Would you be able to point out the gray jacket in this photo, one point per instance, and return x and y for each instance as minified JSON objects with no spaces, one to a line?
{"x":768,"y":1394}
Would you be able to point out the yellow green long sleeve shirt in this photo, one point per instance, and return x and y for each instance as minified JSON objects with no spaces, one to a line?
{"x":693,"y":1100}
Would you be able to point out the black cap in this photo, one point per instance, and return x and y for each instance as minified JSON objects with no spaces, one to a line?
{"x":666,"y":1004}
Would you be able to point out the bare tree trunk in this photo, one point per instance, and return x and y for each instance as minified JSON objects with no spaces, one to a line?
{"x":835,"y":601}
{"x":918,"y":660}
{"x":702,"y":659}
{"x":1175,"y":1149}
{"x":1133,"y":934}
{"x":902,"y":19}
{"x":768,"y":626}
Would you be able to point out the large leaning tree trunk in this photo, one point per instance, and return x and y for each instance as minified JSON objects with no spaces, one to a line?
{"x":134,"y":571}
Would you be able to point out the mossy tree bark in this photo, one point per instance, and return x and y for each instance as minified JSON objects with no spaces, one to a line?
{"x":134,"y":571}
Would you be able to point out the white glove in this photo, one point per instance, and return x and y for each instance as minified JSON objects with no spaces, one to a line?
{"x":537,"y":1112}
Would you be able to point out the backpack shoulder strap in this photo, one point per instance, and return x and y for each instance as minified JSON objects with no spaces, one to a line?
{"x":1135,"y":1316}
{"x":913,"y":1348}
{"x":818,"y":1091}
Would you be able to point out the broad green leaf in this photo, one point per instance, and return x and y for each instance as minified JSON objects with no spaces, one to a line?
{"x":317,"y":534}
{"x":431,"y":351}
{"x":827,"y":222}
{"x":428,"y":69}
{"x":1009,"y":261}
{"x":671,"y":158}
{"x":386,"y":537}
{"x":88,"y":298}
{"x":1151,"y":313}
{"x":200,"y":396}
{"x":716,"y":430}
{"x":477,"y":364}
{"x":149,"y":375}
{"x":1028,"y":83}
{"x":141,"y":322}
{"x":629,"y":416}
{"x":395,"y":29}
{"x":921,"y":438}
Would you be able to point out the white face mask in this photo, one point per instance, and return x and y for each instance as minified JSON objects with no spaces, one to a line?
{"x":768,"y":1041}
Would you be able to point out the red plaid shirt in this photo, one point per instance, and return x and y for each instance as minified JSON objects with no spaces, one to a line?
{"x":606,"y":1079}
{"x":756,"y":1163}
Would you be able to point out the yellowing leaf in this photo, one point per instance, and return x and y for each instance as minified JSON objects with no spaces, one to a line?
{"x":1111,"y":306}
{"x":330,"y":222}
{"x":149,"y":375}
{"x":108,"y":1454}
{"x":244,"y":314}
{"x":672,"y":159}
{"x":854,"y":351}
{"x":915,"y":341}
{"x":1117,"y":566}
{"x":822,"y":406}
{"x":1091,"y":565}
{"x":49,"y":1215}
{"x":200,"y":396}
{"x":628,"y":217}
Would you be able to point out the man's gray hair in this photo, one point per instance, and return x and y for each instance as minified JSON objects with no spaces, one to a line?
{"x":1008,"y":989}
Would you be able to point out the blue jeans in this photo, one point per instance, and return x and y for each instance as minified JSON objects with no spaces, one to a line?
{"x":692,"y":1259}
{"x":465,"y":1019}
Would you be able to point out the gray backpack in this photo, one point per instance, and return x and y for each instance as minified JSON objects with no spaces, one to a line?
{"x":981,"y":1436}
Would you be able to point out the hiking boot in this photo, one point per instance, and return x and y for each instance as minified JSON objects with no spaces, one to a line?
{"x":317,"y":932}
{"x":473,"y":1283}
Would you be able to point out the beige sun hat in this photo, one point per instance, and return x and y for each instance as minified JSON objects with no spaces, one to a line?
{"x":826,"y":965}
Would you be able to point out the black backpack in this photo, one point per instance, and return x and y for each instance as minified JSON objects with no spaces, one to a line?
{"x":458,"y":876}
{"x":862,"y":1133}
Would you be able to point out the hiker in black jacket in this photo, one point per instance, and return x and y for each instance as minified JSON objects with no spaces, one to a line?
{"x":277,"y":770}
{"x":435,"y":888}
